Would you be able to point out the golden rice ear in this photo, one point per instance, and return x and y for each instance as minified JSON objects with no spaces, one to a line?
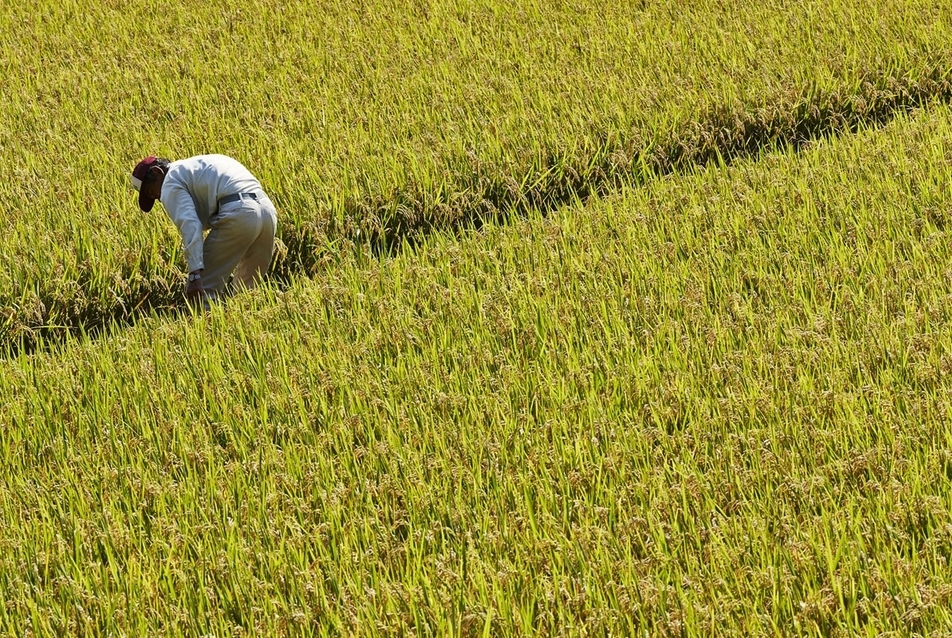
{"x":279,"y":253}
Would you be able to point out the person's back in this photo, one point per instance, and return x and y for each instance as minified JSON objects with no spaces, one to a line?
{"x":206,"y":179}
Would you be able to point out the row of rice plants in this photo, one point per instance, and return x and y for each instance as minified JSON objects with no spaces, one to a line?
{"x":376,"y":122}
{"x":715,"y":405}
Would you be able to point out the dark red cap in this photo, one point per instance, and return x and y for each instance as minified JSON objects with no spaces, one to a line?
{"x":138,"y":176}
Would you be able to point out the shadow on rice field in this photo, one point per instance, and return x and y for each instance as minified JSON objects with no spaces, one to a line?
{"x":379,"y":225}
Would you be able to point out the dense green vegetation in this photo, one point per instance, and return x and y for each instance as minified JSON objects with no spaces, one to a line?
{"x":595,"y":318}
{"x":715,"y":404}
{"x":375,"y":122}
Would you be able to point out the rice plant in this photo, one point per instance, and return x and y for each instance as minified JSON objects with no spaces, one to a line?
{"x":715,"y":404}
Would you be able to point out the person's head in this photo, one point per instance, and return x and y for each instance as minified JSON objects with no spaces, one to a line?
{"x":147,"y":178}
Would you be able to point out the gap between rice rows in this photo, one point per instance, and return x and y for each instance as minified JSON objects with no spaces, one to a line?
{"x":378,"y":224}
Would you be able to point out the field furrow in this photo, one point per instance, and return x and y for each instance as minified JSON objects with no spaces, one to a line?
{"x":372,"y":125}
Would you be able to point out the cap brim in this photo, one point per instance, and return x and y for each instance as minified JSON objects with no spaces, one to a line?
{"x":145,"y":203}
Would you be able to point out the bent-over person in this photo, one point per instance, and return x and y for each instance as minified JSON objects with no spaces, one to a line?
{"x":213,"y":193}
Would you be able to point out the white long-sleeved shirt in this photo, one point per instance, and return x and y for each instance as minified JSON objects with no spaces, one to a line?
{"x":190,"y":195}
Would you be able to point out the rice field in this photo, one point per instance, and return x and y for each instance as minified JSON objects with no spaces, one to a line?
{"x":374,"y":123}
{"x":553,"y":350}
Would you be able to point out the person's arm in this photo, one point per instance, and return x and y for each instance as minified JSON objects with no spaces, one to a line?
{"x":194,"y":288}
{"x":181,"y":209}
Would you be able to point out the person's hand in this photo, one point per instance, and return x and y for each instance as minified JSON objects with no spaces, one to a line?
{"x":194,"y":290}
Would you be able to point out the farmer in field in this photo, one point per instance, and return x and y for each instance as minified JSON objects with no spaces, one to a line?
{"x":214,"y":193}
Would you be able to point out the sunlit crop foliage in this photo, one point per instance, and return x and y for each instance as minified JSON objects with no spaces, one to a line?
{"x":372,"y":122}
{"x":717,"y":404}
{"x":596,"y":318}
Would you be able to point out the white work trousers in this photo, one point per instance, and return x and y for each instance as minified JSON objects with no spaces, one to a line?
{"x":240,"y":242}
